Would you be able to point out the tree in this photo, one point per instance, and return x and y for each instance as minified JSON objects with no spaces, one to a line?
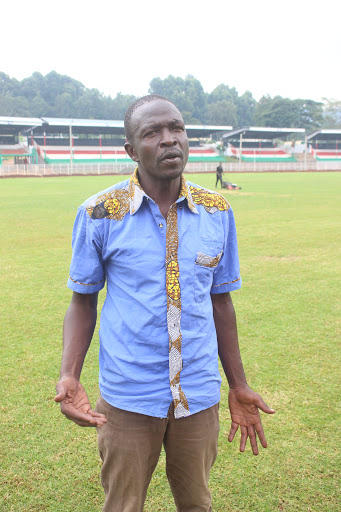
{"x":276,"y":112}
{"x":331,"y":113}
{"x":38,"y":106}
{"x":222,"y":112}
{"x":187,"y":94}
{"x":54,"y":84}
{"x":117,"y":107}
{"x":18,"y":106}
{"x":223,"y":92}
{"x":63,"y":106}
{"x":58,"y":95}
{"x":245,"y":109}
{"x":32,"y":86}
{"x":8,"y":86}
{"x":281,"y":112}
{"x":309,"y":114}
{"x":241,"y":115}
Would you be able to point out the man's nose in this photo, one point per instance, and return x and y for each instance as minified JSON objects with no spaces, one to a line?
{"x":167,"y":138}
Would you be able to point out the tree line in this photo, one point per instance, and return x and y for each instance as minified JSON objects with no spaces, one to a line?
{"x":55,"y":95}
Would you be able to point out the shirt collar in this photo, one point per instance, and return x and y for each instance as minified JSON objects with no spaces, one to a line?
{"x":136,"y":193}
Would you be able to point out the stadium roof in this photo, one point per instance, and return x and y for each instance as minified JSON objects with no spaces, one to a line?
{"x":255,"y":132}
{"x":198,"y":130}
{"x":93,"y":126}
{"x":325,"y":135}
{"x":14,"y":125}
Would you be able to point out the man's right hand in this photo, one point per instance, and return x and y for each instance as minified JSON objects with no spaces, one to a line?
{"x":75,"y":405}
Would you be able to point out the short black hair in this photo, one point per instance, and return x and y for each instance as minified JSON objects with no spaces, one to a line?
{"x":134,"y":106}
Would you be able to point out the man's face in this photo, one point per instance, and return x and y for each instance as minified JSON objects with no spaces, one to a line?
{"x":160,"y":143}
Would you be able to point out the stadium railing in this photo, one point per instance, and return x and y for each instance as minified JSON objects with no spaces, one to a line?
{"x":192,"y":167}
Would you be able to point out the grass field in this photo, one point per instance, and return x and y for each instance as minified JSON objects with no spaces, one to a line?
{"x":288,"y":317}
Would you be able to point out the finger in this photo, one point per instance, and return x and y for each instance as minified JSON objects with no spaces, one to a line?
{"x":233,"y":430}
{"x":261,"y":435}
{"x":253,"y":440}
{"x":83,"y":423}
{"x":243,"y":438}
{"x":263,"y":406}
{"x":95,"y":414}
{"x":81,"y":418}
{"x":61,"y":396}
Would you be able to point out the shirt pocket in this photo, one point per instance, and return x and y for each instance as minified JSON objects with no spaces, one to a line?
{"x":203,"y":272}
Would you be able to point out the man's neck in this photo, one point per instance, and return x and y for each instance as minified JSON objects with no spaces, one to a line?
{"x":164,"y":192}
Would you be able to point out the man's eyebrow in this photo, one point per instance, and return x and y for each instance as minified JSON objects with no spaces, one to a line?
{"x":152,"y":126}
{"x":156,"y":126}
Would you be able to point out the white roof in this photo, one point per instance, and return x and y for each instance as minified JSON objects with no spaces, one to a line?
{"x":23,"y":121}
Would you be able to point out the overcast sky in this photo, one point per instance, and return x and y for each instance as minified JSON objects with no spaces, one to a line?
{"x":291,"y":48}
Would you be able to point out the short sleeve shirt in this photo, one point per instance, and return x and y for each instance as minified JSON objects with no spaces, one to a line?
{"x":158,"y":341}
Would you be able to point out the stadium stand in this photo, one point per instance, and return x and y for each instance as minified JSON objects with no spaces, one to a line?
{"x":90,"y":154}
{"x":324,"y":154}
{"x":92,"y":141}
{"x":257,"y":144}
{"x":16,"y":154}
{"x":263,"y":154}
{"x":325,"y":145}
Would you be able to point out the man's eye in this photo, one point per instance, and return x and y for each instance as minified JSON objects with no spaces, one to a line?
{"x":151,"y":133}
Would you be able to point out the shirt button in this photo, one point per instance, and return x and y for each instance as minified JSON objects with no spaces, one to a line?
{"x":160,"y":225}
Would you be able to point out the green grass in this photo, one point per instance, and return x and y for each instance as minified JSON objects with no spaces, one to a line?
{"x":288,"y":318}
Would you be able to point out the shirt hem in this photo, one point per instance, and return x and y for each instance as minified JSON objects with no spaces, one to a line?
{"x":84,"y":288}
{"x":200,"y":408}
{"x":226,"y":287}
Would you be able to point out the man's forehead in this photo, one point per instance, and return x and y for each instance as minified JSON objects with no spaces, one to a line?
{"x":155,"y":110}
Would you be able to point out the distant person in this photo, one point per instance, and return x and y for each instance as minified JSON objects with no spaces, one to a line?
{"x":167,"y":250}
{"x":219,"y":175}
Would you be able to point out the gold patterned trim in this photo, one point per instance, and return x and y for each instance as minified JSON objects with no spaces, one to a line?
{"x":185,"y":192}
{"x":204,"y":260}
{"x":228,"y":282}
{"x":86,"y":284}
{"x":211,"y":201}
{"x":181,"y":408}
{"x":117,"y":203}
{"x":113,"y":205}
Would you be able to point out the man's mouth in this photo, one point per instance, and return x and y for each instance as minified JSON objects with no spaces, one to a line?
{"x":171,"y":155}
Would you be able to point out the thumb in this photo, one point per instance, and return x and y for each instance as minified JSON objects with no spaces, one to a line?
{"x":60,"y":396}
{"x":263,"y":406}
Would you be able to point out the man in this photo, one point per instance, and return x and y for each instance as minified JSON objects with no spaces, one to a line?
{"x":219,"y":174}
{"x":168,"y":252}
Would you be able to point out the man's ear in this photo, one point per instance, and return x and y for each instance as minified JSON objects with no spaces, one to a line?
{"x":131,"y":151}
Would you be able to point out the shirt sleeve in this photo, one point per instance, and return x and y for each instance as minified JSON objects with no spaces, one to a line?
{"x":226,"y":276}
{"x":86,"y":270}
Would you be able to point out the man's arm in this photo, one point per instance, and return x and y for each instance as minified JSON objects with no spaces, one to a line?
{"x":244,"y":403}
{"x":79,"y":325}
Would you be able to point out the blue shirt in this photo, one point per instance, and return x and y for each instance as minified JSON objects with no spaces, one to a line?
{"x":157,"y":336}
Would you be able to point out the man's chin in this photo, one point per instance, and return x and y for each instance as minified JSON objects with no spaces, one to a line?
{"x":172,"y":173}
{"x":172,"y":167}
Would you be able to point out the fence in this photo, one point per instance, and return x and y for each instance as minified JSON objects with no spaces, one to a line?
{"x":127,"y":168}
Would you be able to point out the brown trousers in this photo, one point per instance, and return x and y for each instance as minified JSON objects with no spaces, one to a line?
{"x":130,"y":445}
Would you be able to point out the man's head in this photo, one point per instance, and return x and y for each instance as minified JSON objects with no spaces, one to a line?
{"x":134,"y":106}
{"x":156,"y":138}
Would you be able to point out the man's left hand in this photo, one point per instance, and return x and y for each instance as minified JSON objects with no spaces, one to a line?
{"x":244,"y":407}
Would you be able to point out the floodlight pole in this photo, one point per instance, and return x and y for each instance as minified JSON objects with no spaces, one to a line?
{"x":240,"y":150}
{"x":70,"y":136}
{"x":305,"y":152}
